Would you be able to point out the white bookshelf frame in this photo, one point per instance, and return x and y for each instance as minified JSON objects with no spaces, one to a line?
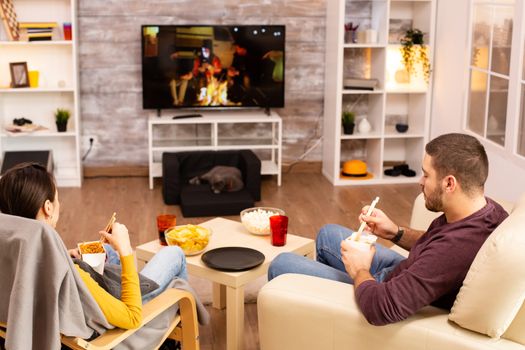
{"x":57,"y":63}
{"x":383,"y":145}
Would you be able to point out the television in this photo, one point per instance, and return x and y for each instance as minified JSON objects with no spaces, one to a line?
{"x":213,"y":66}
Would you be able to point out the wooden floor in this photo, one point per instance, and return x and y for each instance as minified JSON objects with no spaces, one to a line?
{"x":308,"y":199}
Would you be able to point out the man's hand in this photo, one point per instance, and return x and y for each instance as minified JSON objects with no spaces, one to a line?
{"x":356,"y":260}
{"x":378,"y":223}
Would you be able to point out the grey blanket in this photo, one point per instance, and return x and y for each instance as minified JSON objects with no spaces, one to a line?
{"x":42,"y":295}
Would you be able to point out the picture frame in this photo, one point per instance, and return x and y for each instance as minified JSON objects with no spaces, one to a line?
{"x":19,"y":74}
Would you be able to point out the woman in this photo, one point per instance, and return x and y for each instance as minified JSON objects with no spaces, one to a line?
{"x":28,"y":190}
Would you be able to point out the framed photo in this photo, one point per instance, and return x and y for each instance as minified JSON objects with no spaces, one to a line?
{"x":19,"y":74}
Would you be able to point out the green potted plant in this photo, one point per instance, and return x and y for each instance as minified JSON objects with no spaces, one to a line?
{"x":61,"y":118}
{"x":413,"y":51}
{"x":348,"y":121}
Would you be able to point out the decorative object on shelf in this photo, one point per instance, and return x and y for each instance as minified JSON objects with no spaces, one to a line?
{"x":364,"y":126}
{"x":355,"y":169}
{"x":21,"y":126}
{"x":68,"y":33}
{"x":414,"y":51}
{"x":22,"y":121}
{"x":371,"y":36}
{"x":8,"y":15}
{"x":401,"y":169}
{"x":19,"y":74}
{"x":61,"y":118}
{"x":401,"y":127}
{"x":351,"y":32}
{"x":402,"y":76}
{"x":348,"y":121}
{"x":397,"y":28}
{"x":33,"y":78}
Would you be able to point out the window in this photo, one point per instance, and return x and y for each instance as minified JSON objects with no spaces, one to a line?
{"x":489,"y":69}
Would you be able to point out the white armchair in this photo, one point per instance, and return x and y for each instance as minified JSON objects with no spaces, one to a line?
{"x":305,"y":312}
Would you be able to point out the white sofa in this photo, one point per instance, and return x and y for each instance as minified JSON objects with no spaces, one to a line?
{"x":304,"y":312}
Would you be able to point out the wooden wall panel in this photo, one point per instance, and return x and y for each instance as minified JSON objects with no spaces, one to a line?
{"x":110,"y":67}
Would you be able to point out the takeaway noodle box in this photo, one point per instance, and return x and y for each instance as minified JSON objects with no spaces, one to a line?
{"x":94,"y":254}
{"x":364,"y":242}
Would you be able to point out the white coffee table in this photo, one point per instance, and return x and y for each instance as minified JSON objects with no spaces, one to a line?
{"x":228,"y":287}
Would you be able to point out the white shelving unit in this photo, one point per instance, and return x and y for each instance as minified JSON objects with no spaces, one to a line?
{"x":217,"y":130}
{"x":391,"y":99}
{"x":56,"y":61}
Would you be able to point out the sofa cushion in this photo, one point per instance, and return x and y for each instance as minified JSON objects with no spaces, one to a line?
{"x":494,"y":289}
{"x":199,"y":200}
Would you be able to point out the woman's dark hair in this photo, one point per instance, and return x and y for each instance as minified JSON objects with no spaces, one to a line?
{"x":462,"y":156}
{"x":25,"y":188}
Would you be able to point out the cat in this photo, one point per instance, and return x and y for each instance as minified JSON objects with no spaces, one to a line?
{"x":221,"y":179}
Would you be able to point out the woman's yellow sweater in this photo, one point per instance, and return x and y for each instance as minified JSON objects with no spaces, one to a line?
{"x":127,"y":312}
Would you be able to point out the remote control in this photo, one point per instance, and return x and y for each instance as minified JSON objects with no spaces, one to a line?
{"x":181,"y":116}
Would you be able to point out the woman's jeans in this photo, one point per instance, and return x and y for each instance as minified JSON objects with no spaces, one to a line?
{"x":329,"y":263}
{"x":169,"y":263}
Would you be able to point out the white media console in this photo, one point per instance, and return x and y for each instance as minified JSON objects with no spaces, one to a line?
{"x":217,"y":130}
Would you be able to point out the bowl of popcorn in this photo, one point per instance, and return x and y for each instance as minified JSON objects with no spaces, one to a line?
{"x":257,"y":220}
{"x":192,"y":239}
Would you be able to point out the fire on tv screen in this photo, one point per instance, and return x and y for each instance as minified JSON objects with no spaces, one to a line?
{"x":212,"y":66}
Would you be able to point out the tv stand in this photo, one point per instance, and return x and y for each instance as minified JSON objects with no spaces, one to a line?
{"x":217,"y":130}
{"x":267,"y":111}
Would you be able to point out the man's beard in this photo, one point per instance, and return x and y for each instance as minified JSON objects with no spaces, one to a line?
{"x":433,"y":201}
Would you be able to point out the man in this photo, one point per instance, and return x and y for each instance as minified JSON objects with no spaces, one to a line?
{"x":390,"y":288}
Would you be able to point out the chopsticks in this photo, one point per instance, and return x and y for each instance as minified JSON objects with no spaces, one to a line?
{"x":363,"y":224}
{"x":110,"y":224}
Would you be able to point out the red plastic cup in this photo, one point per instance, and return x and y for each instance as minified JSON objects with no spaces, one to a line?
{"x":279,"y":227}
{"x":164,"y":222}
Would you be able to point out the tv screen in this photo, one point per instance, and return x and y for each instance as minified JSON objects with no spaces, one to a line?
{"x":212,"y":66}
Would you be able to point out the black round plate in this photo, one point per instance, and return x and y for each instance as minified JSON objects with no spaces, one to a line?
{"x":233,"y":259}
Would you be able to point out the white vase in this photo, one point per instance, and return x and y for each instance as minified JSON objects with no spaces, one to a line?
{"x":364,"y":126}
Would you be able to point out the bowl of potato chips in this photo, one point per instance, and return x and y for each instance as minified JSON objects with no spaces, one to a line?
{"x":192,"y":239}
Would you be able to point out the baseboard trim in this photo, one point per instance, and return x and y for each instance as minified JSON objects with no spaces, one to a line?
{"x":303,"y":167}
{"x":116,"y":171}
{"x":137,"y":170}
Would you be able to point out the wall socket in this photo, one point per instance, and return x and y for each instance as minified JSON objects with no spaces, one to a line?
{"x":85,"y":143}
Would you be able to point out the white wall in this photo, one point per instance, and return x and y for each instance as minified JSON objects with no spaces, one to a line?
{"x":506,"y":177}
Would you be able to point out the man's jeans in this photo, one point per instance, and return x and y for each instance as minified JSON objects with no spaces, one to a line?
{"x":165,"y":266}
{"x":329,"y":264}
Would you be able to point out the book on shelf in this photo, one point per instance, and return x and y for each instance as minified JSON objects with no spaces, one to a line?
{"x":360,"y":84}
{"x":37,"y":25}
{"x":34,"y":34}
{"x":40,"y":38}
{"x":36,"y":30}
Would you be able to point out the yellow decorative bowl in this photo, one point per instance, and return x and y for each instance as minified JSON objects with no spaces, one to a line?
{"x":257,"y":219}
{"x":192,"y":239}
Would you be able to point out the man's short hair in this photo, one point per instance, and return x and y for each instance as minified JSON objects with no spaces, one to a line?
{"x":462,"y":156}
